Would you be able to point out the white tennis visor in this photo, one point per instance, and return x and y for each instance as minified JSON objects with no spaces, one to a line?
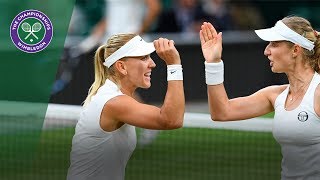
{"x":133,"y":48}
{"x":281,"y":32}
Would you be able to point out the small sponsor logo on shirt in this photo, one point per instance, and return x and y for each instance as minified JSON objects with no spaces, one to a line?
{"x":303,"y":116}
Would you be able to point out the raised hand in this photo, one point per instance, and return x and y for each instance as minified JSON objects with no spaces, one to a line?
{"x":211,"y":43}
{"x":167,"y":51}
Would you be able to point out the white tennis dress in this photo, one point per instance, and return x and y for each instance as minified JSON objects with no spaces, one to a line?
{"x":97,"y":154}
{"x":298,"y":133}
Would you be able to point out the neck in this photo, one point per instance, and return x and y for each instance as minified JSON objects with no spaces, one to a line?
{"x":299,"y":79}
{"x":127,"y":89}
{"x":124,"y":88}
{"x":297,"y":89}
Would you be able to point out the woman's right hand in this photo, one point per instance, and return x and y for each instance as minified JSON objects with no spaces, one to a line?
{"x":167,"y":51}
{"x":211,"y":43}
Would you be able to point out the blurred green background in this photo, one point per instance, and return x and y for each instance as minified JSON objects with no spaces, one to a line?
{"x":26,"y":77}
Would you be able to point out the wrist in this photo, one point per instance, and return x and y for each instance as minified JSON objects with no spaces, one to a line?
{"x":173,"y":63}
{"x":214,"y":73}
{"x":174,"y":72}
{"x":213,"y":61}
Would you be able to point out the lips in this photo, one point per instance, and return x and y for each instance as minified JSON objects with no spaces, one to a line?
{"x":148,"y":74}
{"x":271,"y":63}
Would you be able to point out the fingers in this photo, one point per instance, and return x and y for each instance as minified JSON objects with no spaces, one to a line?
{"x":219,"y":38}
{"x":166,"y":50}
{"x":163,"y":44}
{"x":211,"y":29}
{"x":207,"y":32}
{"x":204,"y":32}
{"x":202,"y":40}
{"x":159,"y":44}
{"x":171,"y":43}
{"x":211,"y":42}
{"x":210,"y":33}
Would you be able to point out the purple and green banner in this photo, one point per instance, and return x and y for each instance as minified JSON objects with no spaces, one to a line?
{"x":32,"y":37}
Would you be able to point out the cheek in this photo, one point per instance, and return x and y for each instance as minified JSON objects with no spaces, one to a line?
{"x":279,"y":55}
{"x":140,"y":69}
{"x":136,"y":71}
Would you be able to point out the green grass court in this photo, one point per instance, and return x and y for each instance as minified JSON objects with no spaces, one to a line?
{"x":184,"y":154}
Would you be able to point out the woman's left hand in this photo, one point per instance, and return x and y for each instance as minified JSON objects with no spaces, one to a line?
{"x":211,"y":43}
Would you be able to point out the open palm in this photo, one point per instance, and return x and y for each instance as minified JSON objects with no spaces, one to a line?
{"x":211,"y":43}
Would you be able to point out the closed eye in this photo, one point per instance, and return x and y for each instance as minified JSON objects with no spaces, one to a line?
{"x":277,"y":43}
{"x":144,"y":58}
{"x":274,"y":43}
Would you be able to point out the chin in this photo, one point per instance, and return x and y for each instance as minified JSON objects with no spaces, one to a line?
{"x":274,"y":70}
{"x":146,"y":86}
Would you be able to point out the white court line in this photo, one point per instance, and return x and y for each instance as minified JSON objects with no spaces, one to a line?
{"x":62,"y":115}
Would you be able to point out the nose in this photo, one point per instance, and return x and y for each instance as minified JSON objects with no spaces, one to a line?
{"x":152,"y":64}
{"x":267,"y":50}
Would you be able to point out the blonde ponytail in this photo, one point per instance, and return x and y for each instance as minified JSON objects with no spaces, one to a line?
{"x":101,"y":72}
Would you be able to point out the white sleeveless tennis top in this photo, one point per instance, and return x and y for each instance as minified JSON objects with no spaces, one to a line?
{"x":298,"y":133}
{"x":97,"y":154}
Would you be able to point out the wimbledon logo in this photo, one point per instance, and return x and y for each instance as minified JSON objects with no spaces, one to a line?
{"x":31,"y":31}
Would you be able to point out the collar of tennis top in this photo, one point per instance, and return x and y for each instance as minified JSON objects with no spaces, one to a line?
{"x":282,"y":32}
{"x":133,"y":48}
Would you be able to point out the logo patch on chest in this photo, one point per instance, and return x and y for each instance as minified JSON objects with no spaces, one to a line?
{"x":303,"y":116}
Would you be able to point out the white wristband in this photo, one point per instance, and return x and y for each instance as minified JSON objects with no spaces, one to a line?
{"x":174,"y":72}
{"x":214,"y":73}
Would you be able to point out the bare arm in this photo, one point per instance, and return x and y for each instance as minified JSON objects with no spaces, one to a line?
{"x":257,"y":104}
{"x":153,"y":10}
{"x":125,"y":109}
{"x":221,"y":108}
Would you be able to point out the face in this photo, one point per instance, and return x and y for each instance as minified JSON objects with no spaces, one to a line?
{"x":280,"y":55}
{"x":139,"y":71}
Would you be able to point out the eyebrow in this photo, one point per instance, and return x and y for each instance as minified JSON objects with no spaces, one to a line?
{"x":142,"y":57}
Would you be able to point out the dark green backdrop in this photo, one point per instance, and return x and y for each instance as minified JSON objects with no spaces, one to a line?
{"x":26,"y":78}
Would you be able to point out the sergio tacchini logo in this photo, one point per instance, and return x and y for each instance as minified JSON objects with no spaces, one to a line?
{"x":31,"y":31}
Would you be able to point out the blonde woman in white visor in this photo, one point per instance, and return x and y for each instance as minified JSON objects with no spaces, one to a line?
{"x":105,"y":134}
{"x":293,"y":49}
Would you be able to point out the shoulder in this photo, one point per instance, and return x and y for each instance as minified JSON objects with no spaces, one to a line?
{"x":274,"y":90}
{"x":120,"y":100}
{"x":119,"y":104}
{"x":113,"y":110}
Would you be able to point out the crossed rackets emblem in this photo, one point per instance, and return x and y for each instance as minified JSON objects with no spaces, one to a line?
{"x":26,"y":27}
{"x":31,"y":31}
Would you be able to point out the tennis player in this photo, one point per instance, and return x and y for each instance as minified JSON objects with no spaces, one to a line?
{"x":105,"y":135}
{"x":293,"y":49}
